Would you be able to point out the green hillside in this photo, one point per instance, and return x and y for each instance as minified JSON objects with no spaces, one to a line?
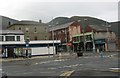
{"x":85,"y":20}
{"x":90,"y":20}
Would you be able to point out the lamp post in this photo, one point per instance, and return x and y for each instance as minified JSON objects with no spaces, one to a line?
{"x":108,"y":36}
{"x":84,"y":35}
{"x":93,"y":40}
{"x":52,"y":30}
{"x":53,"y":40}
{"x":66,"y":39}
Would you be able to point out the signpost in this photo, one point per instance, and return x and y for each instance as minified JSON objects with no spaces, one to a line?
{"x":27,"y":45}
{"x":27,"y":51}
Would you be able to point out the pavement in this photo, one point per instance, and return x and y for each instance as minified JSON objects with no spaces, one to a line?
{"x":59,"y":55}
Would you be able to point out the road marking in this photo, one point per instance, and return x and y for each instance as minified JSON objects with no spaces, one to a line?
{"x":52,"y":68}
{"x":27,"y":73}
{"x":68,"y":66}
{"x":67,"y":73}
{"x":115,"y":69}
{"x":44,"y":62}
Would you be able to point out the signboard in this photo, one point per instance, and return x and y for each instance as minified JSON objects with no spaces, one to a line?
{"x":69,"y":44}
{"x":100,"y":41}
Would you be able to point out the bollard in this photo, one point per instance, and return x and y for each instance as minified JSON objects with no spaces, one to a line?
{"x":79,"y":54}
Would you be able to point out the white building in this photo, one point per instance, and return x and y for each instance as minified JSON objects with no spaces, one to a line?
{"x":12,"y":43}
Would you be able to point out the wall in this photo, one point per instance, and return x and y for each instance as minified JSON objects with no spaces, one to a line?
{"x":104,"y":35}
{"x":42,"y":31}
{"x":42,"y":50}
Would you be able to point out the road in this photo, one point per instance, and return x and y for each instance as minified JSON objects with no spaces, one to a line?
{"x":91,"y":64}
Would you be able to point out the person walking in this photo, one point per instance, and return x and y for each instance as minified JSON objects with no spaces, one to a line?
{"x":101,"y":51}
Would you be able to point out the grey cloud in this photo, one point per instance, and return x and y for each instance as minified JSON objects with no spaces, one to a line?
{"x":47,"y":10}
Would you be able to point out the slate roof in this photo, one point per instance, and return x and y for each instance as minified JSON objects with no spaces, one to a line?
{"x":52,"y":28}
{"x":99,"y":28}
{"x":30,"y":23}
{"x":11,"y":32}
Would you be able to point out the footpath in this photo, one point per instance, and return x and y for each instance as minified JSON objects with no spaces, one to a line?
{"x":59,"y":55}
{"x":62,"y":55}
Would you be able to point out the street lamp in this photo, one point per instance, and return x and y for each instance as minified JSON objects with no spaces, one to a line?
{"x":93,"y":40}
{"x":108,"y":36}
{"x":52,"y":34}
{"x":53,"y":40}
{"x":83,"y":30}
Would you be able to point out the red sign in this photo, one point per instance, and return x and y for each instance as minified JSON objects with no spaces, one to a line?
{"x":69,"y":44}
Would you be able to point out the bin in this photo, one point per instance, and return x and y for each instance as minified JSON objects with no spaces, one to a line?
{"x":79,"y":54}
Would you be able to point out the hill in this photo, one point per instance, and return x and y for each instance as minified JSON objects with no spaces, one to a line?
{"x":82,"y":19}
{"x":85,"y":20}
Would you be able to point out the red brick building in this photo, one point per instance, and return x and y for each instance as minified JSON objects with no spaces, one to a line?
{"x":65,"y":32}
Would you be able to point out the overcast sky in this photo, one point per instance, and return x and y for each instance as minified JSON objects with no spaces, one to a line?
{"x":48,"y":9}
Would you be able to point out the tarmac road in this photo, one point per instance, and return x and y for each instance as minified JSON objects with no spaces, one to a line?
{"x":91,"y":64}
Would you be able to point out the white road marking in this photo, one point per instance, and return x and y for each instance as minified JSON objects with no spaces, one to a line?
{"x":114,"y":69}
{"x":67,"y":73}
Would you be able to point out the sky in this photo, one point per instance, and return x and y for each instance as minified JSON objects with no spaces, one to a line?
{"x":46,"y":10}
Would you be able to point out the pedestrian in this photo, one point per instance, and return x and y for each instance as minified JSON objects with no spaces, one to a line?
{"x":101,"y":51}
{"x":14,"y":55}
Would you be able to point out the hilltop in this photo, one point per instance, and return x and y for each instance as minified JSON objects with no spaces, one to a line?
{"x":85,"y":20}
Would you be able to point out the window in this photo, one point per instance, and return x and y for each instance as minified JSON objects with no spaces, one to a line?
{"x":35,"y":38}
{"x":18,"y":38}
{"x":1,"y":38}
{"x":13,"y":28}
{"x":35,"y":29}
{"x":27,"y":29}
{"x":10,"y":38}
{"x":20,"y":28}
{"x":9,"y":23}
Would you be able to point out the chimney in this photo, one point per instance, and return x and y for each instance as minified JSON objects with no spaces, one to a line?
{"x":40,"y":21}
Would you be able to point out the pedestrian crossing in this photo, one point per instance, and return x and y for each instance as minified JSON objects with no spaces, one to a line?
{"x":99,"y":56}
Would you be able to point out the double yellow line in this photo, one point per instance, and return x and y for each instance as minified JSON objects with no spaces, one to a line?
{"x":67,"y":73}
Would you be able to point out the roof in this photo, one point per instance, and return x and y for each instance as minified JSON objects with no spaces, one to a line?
{"x":11,"y":32}
{"x":99,"y":28}
{"x":27,"y":22}
{"x":31,"y":42}
{"x":60,"y":26}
